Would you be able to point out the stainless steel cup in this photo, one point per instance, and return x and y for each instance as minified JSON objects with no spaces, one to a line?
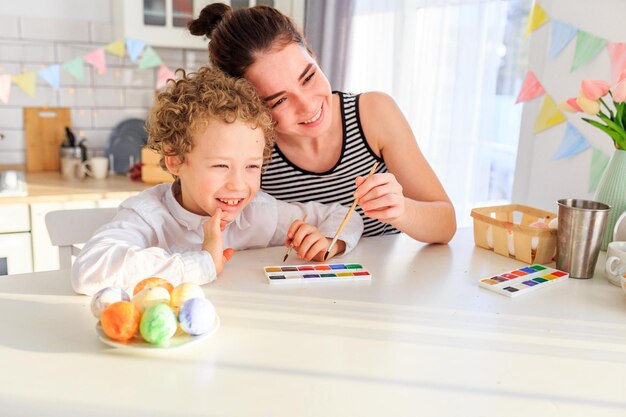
{"x":581,"y":225}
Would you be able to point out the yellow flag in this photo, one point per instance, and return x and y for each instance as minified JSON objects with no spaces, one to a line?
{"x":536,"y":18}
{"x":549,"y":115}
{"x":26,"y":82}
{"x":116,"y":48}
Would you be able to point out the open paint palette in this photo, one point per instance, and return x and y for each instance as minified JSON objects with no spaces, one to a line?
{"x":523,"y":280}
{"x":295,"y":274}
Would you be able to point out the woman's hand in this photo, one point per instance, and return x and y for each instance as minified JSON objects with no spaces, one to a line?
{"x":310,"y":243}
{"x":213,"y":242}
{"x":380,"y":196}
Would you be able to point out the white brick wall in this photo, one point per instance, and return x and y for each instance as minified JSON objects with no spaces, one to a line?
{"x":99,"y":102}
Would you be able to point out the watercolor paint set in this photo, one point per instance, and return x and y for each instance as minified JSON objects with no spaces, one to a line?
{"x":523,"y":280}
{"x":297,"y":274}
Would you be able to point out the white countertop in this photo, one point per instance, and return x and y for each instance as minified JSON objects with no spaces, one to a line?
{"x":421,"y":339}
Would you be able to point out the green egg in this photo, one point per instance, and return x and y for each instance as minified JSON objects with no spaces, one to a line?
{"x":158,"y":324}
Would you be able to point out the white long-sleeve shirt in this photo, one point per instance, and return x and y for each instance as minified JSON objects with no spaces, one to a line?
{"x":153,"y":235}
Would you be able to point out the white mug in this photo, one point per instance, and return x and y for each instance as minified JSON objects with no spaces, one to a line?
{"x":615,"y":267}
{"x":71,"y":168}
{"x":97,"y":167}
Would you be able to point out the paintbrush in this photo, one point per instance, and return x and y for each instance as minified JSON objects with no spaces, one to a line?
{"x":291,"y":246}
{"x":348,"y":214}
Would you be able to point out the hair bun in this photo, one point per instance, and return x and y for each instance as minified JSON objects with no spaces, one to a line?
{"x":208,"y":20}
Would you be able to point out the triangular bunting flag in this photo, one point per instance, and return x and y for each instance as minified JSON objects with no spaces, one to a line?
{"x":26,"y":82}
{"x":549,"y":115}
{"x":536,"y":18}
{"x":562,"y":34}
{"x":116,"y":48}
{"x":5,"y":87}
{"x":134,"y":48}
{"x":599,"y":161}
{"x":531,"y":88}
{"x":617,"y":53}
{"x":149,"y":59}
{"x":164,"y":74}
{"x":587,"y":46}
{"x":51,"y":75}
{"x":76,"y":67}
{"x":573,"y":143}
{"x":97,"y":59}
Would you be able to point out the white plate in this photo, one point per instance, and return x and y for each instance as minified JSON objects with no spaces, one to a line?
{"x":179,"y":340}
{"x":619,"y":233}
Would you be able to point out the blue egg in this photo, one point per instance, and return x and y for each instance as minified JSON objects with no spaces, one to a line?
{"x":196,"y":316}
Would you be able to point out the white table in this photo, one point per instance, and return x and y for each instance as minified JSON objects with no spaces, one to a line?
{"x":421,"y":339}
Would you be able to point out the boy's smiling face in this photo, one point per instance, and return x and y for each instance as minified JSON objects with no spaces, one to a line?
{"x":223,"y":169}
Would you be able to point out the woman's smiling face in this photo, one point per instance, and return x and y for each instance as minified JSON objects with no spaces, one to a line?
{"x":295,"y":90}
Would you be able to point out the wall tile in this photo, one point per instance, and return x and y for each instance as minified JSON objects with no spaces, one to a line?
{"x":92,"y":97}
{"x":54,"y":29}
{"x":140,"y":98}
{"x":106,"y":118}
{"x":101,"y":32}
{"x":11,"y":118}
{"x":9,"y":27}
{"x":12,"y":158}
{"x":13,"y":140}
{"x":27,"y":52}
{"x":81,"y":118}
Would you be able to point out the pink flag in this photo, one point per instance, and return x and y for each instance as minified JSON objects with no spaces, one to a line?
{"x":164,"y":74}
{"x":530,"y":89}
{"x":5,"y":87}
{"x":617,"y":53}
{"x":96,"y":58}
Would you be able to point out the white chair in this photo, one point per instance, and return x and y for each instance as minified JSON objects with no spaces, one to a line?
{"x":70,"y":227}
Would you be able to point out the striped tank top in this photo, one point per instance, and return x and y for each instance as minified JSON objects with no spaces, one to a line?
{"x":285,"y":181}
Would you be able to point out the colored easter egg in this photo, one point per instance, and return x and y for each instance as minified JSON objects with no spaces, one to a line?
{"x":184,"y":292}
{"x":158,"y":324}
{"x":197,"y":316}
{"x":120,"y":320}
{"x":150,"y":296}
{"x":153,"y":282}
{"x":554,"y":224}
{"x":105,"y":297}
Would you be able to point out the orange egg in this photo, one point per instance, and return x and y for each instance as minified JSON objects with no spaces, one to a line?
{"x":153,"y":282}
{"x":120,"y":321}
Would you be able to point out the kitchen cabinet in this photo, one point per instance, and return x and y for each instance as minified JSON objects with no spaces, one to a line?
{"x":164,"y":22}
{"x":24,"y":242}
{"x":15,"y":239}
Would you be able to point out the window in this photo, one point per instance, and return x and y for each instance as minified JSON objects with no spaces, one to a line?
{"x":454,"y":67}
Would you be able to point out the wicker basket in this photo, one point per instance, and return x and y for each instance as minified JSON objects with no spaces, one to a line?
{"x":512,"y":235}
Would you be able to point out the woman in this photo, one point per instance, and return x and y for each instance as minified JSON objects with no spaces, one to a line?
{"x":326,"y":139}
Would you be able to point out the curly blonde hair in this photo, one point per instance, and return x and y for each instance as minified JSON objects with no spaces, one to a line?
{"x":186,"y":106}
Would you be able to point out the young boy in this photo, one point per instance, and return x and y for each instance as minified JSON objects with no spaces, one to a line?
{"x":214,"y":135}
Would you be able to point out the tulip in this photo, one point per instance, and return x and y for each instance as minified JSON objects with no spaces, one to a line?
{"x":594,"y":89}
{"x":569,"y":106}
{"x":619,"y":93}
{"x":587,"y":105}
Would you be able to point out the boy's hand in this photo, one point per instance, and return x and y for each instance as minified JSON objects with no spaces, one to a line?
{"x":213,"y":242}
{"x":310,"y":243}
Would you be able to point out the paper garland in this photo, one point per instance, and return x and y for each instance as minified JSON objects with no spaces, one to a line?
{"x":617,"y":54}
{"x":572,"y":144}
{"x":588,"y":47}
{"x":536,"y":18}
{"x":531,"y":88}
{"x":5,"y":87}
{"x":562,"y":34}
{"x":549,"y":115}
{"x":75,"y":67}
